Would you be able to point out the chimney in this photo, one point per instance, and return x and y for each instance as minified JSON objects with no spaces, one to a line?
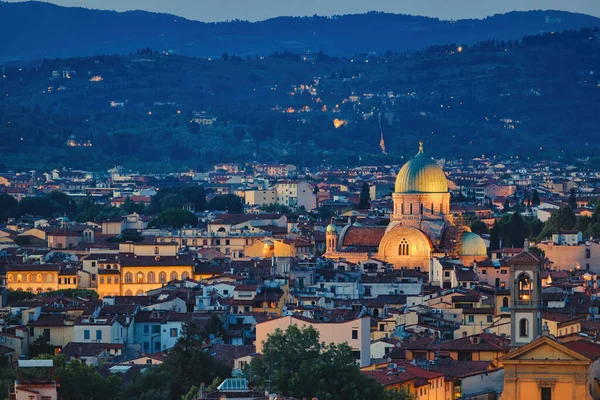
{"x":526,"y":245}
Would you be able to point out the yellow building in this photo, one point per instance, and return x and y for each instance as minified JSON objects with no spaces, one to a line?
{"x":109,"y":282}
{"x":142,"y":273}
{"x":34,"y":278}
{"x":545,"y":369}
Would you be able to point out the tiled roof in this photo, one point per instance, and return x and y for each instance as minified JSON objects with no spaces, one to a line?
{"x":131,"y":260}
{"x":363,"y":236}
{"x":526,"y":258}
{"x":486,"y":342}
{"x":585,"y":348}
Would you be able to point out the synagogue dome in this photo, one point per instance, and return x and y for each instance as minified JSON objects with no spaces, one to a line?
{"x":471,"y":244}
{"x":421,"y":175}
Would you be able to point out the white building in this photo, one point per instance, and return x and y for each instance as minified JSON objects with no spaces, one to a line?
{"x":296,"y":194}
{"x":356,"y":333}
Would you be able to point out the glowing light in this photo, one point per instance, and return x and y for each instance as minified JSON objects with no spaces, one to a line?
{"x":459,"y":49}
{"x":339,"y":123}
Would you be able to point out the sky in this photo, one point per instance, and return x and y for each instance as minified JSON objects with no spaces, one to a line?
{"x":255,"y":10}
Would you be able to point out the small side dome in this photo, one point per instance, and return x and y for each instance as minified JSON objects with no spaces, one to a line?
{"x":471,"y":245}
{"x":331,"y":228}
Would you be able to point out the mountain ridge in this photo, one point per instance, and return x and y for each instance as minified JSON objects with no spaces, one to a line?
{"x":44,"y":30}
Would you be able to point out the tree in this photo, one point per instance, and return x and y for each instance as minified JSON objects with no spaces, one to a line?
{"x":516,"y":232}
{"x":8,"y":207}
{"x":292,"y":358}
{"x":239,"y":133}
{"x":365,"y":197}
{"x":79,"y":381}
{"x":40,"y":346}
{"x":187,"y":366}
{"x":175,"y":219}
{"x":227,"y":202}
{"x":506,"y":207}
{"x":495,"y":237}
{"x":572,"y":198}
{"x":479,"y":227}
{"x":194,"y":128}
{"x":131,"y":207}
{"x":562,"y":219}
{"x":535,"y":198}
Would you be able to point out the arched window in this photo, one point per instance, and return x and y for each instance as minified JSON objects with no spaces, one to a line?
{"x":49,"y":278}
{"x":128,"y":277}
{"x":505,"y":302}
{"x":156,"y":250}
{"x":28,"y":276}
{"x":139,"y":293}
{"x":19,"y":278}
{"x":10,"y":278}
{"x":162,"y":277}
{"x":523,"y":328}
{"x":151,"y":277}
{"x":524,"y":288}
{"x":30,"y":289}
{"x":139,"y":277}
{"x":376,"y":312}
{"x":38,"y":278}
{"x":185,"y":275}
{"x":128,"y":293}
{"x":39,"y":290}
{"x":174,"y":276}
{"x":404,"y":248}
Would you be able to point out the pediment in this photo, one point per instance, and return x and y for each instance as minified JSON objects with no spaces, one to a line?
{"x":544,"y":348}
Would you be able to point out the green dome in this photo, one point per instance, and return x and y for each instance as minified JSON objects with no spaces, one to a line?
{"x":471,"y":245}
{"x":331,"y":228}
{"x":421,"y":175}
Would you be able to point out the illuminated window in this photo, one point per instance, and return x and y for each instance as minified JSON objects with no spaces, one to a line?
{"x":38,"y":278}
{"x":524,"y":288}
{"x":10,"y":278}
{"x":404,"y":248}
{"x":19,"y":278}
{"x":140,"y":277}
{"x":151,"y":277}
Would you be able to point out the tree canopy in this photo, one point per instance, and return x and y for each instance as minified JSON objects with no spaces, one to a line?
{"x":227,"y":202}
{"x":292,"y":358}
{"x":174,"y":219}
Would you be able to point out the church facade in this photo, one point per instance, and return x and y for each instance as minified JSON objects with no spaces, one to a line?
{"x":420,"y":227}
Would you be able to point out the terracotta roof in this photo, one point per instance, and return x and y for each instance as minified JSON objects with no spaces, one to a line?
{"x":32,"y":267}
{"x":486,"y":342}
{"x":585,"y":348}
{"x":526,"y":258}
{"x":363,"y":236}
{"x":131,"y":260}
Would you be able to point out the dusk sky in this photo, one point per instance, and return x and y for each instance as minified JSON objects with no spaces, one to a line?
{"x":253,"y":10}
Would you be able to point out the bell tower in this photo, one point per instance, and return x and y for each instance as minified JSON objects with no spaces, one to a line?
{"x":526,"y":297}
{"x":331,"y":238}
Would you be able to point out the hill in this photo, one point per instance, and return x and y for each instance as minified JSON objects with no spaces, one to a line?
{"x":533,"y":98}
{"x":43,"y":30}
